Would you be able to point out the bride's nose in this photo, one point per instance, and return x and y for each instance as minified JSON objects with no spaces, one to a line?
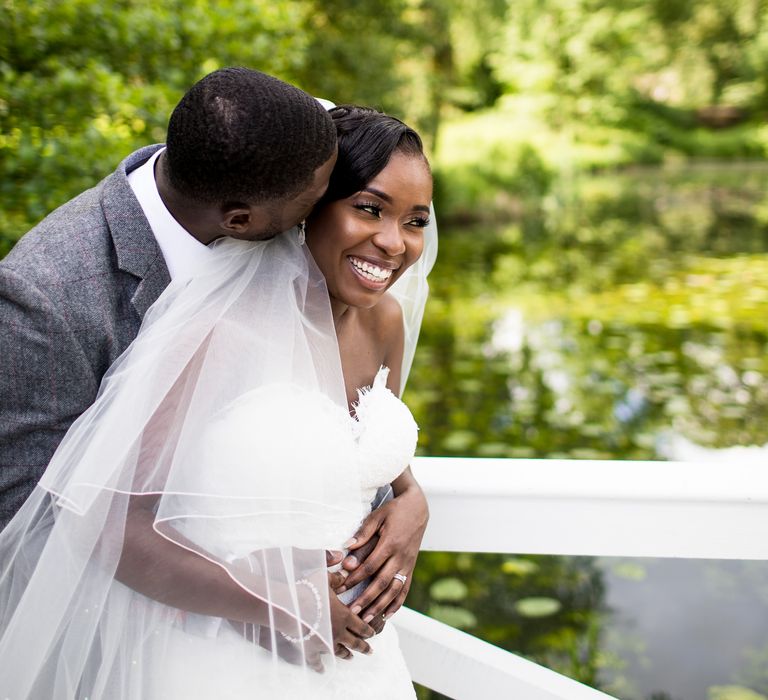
{"x":389,"y":238}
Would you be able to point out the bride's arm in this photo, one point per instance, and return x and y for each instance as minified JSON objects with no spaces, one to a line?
{"x":397,"y":529}
{"x":393,"y":532}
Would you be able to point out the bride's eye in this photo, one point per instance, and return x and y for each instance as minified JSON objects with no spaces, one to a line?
{"x":419,"y":222}
{"x":371,"y":207}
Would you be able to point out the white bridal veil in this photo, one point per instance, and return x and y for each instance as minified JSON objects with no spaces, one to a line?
{"x":261,"y":494}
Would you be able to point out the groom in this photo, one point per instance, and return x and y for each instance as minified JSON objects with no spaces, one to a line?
{"x":247,"y":156}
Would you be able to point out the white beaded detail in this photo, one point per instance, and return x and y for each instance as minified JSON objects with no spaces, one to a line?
{"x":313,"y":628}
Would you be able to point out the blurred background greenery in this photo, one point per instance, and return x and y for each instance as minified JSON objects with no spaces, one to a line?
{"x":602,"y":286}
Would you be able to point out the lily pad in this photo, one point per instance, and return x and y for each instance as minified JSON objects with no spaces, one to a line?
{"x":538,"y":607}
{"x":519,"y":567}
{"x":448,"y":589}
{"x":453,"y":616}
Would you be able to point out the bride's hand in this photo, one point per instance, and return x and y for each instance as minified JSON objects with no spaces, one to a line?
{"x":399,"y":526}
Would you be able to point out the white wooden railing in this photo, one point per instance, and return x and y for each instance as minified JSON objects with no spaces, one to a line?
{"x":598,"y":508}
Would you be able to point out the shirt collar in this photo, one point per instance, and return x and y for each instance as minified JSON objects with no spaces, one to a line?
{"x":182,"y":252}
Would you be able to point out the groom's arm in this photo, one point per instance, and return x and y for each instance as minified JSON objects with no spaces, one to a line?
{"x":46,"y":381}
{"x":162,"y":570}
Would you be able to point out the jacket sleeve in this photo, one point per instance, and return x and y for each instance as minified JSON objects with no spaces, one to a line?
{"x":46,"y":381}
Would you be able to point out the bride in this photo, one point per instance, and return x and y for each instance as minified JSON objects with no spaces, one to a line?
{"x":255,"y":418}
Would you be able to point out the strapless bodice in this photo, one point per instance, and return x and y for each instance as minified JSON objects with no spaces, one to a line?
{"x":385,"y":434}
{"x":272,"y":462}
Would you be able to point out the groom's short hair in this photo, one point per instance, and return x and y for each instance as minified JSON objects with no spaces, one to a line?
{"x":239,"y":135}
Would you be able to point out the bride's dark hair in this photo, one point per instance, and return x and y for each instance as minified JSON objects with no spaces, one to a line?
{"x":367,"y":139}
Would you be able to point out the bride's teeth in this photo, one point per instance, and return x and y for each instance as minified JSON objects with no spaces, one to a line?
{"x":370,"y":271}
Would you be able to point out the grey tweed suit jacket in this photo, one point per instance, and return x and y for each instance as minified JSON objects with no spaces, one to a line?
{"x":73,"y":292}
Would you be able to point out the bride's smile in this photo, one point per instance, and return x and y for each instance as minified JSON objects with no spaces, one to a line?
{"x":363,"y":243}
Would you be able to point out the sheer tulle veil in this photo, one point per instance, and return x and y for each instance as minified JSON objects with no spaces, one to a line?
{"x":255,"y":324}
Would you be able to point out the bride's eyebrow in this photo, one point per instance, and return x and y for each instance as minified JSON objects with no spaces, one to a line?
{"x":388,"y":199}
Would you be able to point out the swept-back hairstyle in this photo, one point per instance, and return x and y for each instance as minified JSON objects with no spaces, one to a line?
{"x":239,"y":135}
{"x":367,"y":139}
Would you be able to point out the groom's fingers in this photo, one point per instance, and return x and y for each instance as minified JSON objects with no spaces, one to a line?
{"x":356,"y":644}
{"x":342,"y":652}
{"x":336,"y":580}
{"x":356,"y":627}
{"x":333,"y":557}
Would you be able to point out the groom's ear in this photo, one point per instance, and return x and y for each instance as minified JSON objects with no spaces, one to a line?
{"x":236,"y":218}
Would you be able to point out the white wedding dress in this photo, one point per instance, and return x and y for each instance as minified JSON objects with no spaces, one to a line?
{"x":228,"y":413}
{"x":262,"y":433}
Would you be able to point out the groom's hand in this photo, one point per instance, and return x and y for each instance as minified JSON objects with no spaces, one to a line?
{"x":336,"y":579}
{"x":349,"y":631}
{"x":394,"y":531}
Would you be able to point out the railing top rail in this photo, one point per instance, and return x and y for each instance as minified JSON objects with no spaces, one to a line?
{"x":745,"y":482}
{"x":610,"y":508}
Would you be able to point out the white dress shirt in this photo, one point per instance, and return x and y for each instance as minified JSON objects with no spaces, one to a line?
{"x":181,"y":250}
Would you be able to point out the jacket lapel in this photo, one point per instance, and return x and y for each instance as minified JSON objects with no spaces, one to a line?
{"x":137,"y":250}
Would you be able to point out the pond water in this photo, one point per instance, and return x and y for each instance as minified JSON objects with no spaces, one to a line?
{"x":618,"y":317}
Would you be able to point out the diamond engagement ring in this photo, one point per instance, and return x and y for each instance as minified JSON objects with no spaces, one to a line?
{"x":400,"y":577}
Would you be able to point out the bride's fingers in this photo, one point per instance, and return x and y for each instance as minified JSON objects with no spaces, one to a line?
{"x":378,"y":623}
{"x":371,"y":566}
{"x":378,"y":586}
{"x":397,"y":603}
{"x":366,"y":561}
{"x":383,"y":602}
{"x":368,"y":529}
{"x":353,"y":559}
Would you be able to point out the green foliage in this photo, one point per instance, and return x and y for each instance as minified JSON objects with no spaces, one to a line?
{"x":554,"y":87}
{"x":83,"y":83}
{"x":590,"y":322}
{"x":754,"y":674}
{"x":581,"y":305}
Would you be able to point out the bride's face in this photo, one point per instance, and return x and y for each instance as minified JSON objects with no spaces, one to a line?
{"x":364,"y":243}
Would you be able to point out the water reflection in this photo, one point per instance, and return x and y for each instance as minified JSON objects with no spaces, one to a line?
{"x":683,"y":627}
{"x":618,"y":318}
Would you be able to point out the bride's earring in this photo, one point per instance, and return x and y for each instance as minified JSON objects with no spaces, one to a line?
{"x":302,"y":226}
